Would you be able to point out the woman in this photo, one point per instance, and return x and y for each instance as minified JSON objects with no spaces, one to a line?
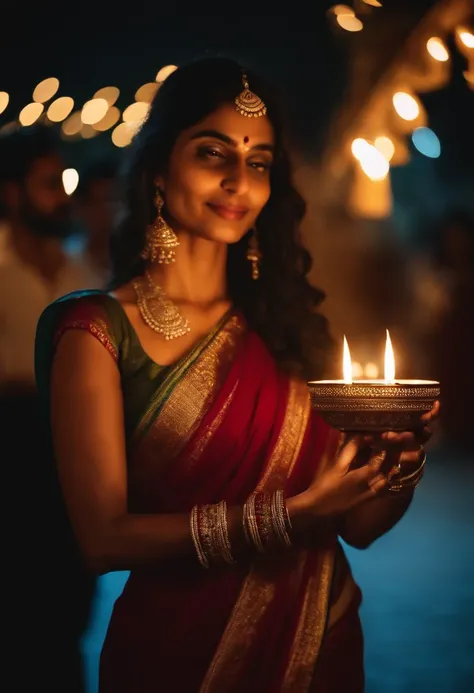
{"x":186,"y":448}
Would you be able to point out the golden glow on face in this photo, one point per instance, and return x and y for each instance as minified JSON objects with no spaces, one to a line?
{"x":218,"y":177}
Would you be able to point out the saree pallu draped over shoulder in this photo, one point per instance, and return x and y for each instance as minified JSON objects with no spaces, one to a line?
{"x":223,"y":422}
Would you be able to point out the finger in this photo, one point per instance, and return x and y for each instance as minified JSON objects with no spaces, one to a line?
{"x":407,"y":440}
{"x":424,"y":435}
{"x":373,"y":441}
{"x":378,"y":484}
{"x":348,"y":451}
{"x":370,"y":490}
{"x":376,"y":460}
{"x":364,"y":475}
{"x":432,"y":414}
{"x":411,"y":457}
{"x":394,"y":438}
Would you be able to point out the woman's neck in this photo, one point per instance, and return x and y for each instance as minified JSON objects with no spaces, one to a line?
{"x":198,"y":275}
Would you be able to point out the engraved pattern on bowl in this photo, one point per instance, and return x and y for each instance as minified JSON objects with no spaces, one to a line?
{"x":373,"y":408}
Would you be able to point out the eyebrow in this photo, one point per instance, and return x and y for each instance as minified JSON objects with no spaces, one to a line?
{"x":228,"y":140}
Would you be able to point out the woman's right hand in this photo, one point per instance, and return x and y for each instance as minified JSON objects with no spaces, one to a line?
{"x":338,"y":488}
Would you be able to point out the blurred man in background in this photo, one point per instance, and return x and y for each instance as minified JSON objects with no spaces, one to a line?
{"x":95,"y":207}
{"x":50,"y":594}
{"x":35,"y":217}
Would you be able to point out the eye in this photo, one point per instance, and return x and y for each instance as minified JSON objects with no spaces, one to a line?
{"x":260,"y":166}
{"x":210,"y":152}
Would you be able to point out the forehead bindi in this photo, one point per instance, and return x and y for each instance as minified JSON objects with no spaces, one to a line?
{"x":242,"y":131}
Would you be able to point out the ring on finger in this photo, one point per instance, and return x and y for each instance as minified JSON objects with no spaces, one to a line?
{"x":394,"y":471}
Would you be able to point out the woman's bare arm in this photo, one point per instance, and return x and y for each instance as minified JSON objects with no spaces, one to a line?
{"x":89,"y":443}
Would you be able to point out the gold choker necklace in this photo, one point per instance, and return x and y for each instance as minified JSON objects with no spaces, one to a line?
{"x":158,"y":311}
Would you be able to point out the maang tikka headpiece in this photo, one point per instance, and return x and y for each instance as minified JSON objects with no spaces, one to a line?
{"x":249,"y":104}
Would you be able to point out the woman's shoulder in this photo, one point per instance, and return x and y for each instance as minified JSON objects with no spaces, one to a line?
{"x":95,"y":311}
{"x":90,"y":305}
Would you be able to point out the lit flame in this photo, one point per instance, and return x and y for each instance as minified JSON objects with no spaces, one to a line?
{"x":389,"y":362}
{"x":347,"y":364}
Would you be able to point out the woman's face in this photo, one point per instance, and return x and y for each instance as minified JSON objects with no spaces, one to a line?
{"x":218,"y":178}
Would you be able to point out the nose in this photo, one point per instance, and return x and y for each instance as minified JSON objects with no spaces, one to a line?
{"x":236,"y":181}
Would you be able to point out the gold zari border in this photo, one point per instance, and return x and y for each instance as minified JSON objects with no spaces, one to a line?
{"x":191,"y":397}
{"x":311,"y":627}
{"x":258,"y":590}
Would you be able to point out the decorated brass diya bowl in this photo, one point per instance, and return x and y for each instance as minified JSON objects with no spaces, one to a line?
{"x":366,"y":406}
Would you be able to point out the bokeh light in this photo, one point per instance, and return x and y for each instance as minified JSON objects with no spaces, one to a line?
{"x":30,"y":113}
{"x":60,"y":109}
{"x":426,"y":142}
{"x":72,"y":125}
{"x":342,"y":9}
{"x":4,"y":99}
{"x":111,"y":117}
{"x":70,"y":180}
{"x":147,"y":92}
{"x":136,"y":112}
{"x":385,"y":146}
{"x":93,"y":111}
{"x":406,"y":105}
{"x":437,"y":49}
{"x":122,"y":135}
{"x":165,"y":72}
{"x":110,"y":94}
{"x":466,"y":37}
{"x":349,"y":22}
{"x":45,"y":90}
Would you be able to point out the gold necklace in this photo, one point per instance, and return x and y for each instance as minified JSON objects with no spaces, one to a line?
{"x":158,"y":311}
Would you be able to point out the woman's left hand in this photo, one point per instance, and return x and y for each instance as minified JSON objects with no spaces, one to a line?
{"x":404,"y":448}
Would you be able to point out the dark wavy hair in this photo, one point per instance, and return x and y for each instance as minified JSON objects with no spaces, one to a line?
{"x":281,"y":305}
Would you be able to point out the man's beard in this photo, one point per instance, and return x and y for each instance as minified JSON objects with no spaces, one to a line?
{"x":54,"y":225}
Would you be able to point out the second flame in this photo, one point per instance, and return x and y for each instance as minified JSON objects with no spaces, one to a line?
{"x":347,"y":366}
{"x":389,"y":361}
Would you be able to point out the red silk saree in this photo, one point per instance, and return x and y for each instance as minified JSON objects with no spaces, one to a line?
{"x":218,"y":424}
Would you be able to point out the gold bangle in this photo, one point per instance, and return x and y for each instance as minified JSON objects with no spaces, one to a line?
{"x":266,"y":522}
{"x":278,"y":517}
{"x":409,"y":485}
{"x":250,"y":521}
{"x":420,"y":467}
{"x":400,"y":488}
{"x":210,"y":534}
{"x":224,"y":541}
{"x":193,"y":520}
{"x":396,"y":482}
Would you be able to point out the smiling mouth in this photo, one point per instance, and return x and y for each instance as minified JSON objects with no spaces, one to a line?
{"x":228,"y":213}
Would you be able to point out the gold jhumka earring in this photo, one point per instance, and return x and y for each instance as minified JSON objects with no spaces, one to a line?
{"x":161,"y":240}
{"x":249,"y":104}
{"x":254,"y":255}
{"x":156,"y":309}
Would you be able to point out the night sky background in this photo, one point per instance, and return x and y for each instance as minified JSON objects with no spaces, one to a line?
{"x":88,"y":47}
